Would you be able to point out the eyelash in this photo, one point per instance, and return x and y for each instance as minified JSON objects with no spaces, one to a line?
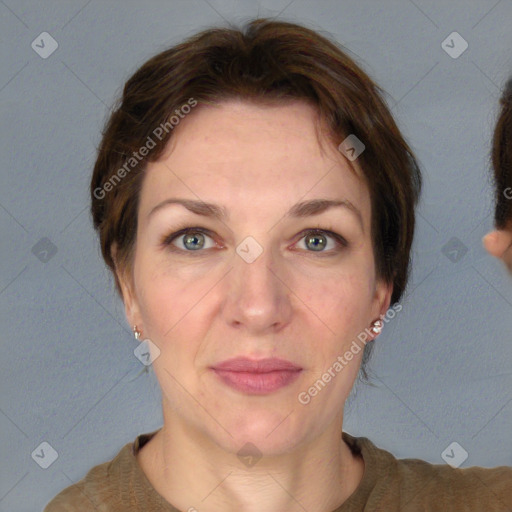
{"x":167,"y":240}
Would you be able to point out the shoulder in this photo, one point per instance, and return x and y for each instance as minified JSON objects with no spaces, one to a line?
{"x":472,"y":488}
{"x":100,"y":488}
{"x":414,"y":484}
{"x":72,"y":499}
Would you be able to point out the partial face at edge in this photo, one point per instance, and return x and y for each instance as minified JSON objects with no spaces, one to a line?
{"x":202,"y":306}
{"x":498,"y":243}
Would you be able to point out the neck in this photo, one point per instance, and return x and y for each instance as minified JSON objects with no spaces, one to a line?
{"x":192,"y":472}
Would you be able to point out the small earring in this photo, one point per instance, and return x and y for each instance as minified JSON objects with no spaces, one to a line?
{"x":376,"y":328}
{"x":136,"y":333}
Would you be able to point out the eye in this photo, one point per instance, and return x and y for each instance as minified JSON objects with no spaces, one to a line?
{"x":189,"y":240}
{"x":194,"y":239}
{"x":317,"y":240}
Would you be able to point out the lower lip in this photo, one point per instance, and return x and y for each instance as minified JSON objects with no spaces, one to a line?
{"x":258,"y":383}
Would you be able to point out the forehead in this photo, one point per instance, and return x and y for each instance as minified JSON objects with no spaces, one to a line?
{"x":258,"y":155}
{"x":235,"y":126}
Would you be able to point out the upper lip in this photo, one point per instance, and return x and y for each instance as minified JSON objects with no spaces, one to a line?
{"x":244,"y":364}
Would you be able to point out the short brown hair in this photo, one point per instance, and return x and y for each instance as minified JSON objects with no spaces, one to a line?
{"x":266,"y":61}
{"x":502,"y":160}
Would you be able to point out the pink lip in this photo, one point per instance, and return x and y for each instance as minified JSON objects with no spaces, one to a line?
{"x":244,"y":364}
{"x":257,"y":377}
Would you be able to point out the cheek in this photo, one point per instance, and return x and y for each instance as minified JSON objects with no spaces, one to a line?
{"x":165,"y":303}
{"x":344,"y":306}
{"x":172,"y":301}
{"x":157,"y":293}
{"x":344,"y":296}
{"x":173,"y":320}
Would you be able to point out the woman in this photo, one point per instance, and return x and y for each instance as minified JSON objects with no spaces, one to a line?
{"x":255,"y":201}
{"x":499,"y":242}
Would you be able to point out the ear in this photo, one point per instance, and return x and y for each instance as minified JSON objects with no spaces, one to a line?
{"x":381,"y":302}
{"x":497,"y":242}
{"x":382,"y":297}
{"x":129,"y":296}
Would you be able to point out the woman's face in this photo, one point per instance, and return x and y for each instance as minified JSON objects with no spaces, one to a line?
{"x":250,"y":283}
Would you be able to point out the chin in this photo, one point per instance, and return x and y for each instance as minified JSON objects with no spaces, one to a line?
{"x":271,"y":432}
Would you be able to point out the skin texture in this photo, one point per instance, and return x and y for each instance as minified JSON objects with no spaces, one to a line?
{"x":291,"y":302}
{"x":499,"y":244}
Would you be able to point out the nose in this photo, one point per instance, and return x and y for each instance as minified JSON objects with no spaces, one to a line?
{"x":258,"y":295}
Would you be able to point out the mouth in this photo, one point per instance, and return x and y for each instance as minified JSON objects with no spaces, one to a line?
{"x":257,"y":377}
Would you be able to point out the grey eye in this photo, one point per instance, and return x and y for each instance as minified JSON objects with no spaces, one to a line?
{"x":193,"y":241}
{"x":316,"y":242}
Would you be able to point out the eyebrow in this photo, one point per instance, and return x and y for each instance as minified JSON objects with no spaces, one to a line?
{"x":299,"y":210}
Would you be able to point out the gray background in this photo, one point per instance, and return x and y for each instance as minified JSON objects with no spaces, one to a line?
{"x":69,"y":376}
